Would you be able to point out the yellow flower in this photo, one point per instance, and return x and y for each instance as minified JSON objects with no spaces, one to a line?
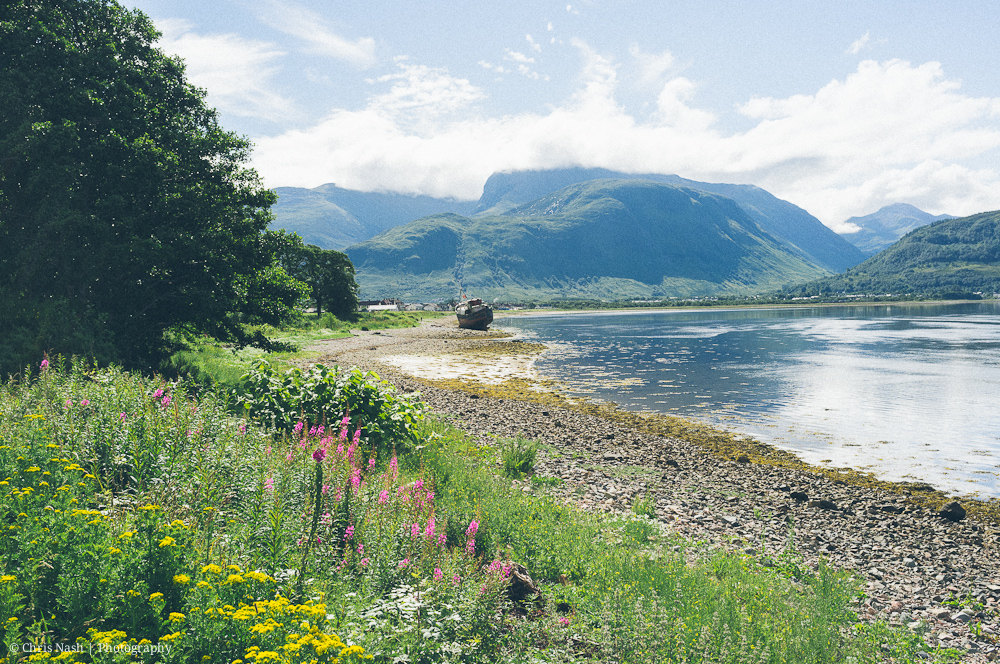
{"x":167,"y":541}
{"x":234,"y":578}
{"x":177,"y":523}
{"x":211,"y":569}
{"x":32,"y":469}
{"x":235,"y":568}
{"x":7,"y":577}
{"x":149,"y":507}
{"x":182,"y":579}
{"x":155,"y":596}
{"x":260,"y":577}
{"x":204,"y":584}
{"x":176,"y":617}
{"x":113,"y":550}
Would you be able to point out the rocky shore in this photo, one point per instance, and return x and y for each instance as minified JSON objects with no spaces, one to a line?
{"x":930,"y":573}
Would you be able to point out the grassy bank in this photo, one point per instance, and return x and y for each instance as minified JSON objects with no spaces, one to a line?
{"x":208,"y":362}
{"x":142,"y":523}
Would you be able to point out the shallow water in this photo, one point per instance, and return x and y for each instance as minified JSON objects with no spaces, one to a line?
{"x":910,"y":392}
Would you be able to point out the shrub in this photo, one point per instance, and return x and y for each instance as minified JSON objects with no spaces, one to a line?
{"x":517,"y":456}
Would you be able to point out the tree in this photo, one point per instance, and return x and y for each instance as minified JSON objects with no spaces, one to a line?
{"x":125,"y":209}
{"x":328,"y":273}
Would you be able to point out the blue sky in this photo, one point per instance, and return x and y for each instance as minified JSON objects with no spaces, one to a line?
{"x":838,"y":107}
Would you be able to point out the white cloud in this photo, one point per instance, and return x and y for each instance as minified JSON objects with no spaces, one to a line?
{"x":515,"y":56}
{"x":653,"y":66}
{"x":534,"y":45}
{"x":858,"y":44}
{"x":888,"y":132}
{"x":237,"y":73}
{"x":318,"y":38}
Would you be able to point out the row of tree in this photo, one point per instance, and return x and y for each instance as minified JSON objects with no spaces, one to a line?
{"x":125,"y":209}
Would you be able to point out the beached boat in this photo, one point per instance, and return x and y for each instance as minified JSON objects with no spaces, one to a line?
{"x":474,"y":314}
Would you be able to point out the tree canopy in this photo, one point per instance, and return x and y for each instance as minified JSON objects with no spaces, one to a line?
{"x":328,"y":273}
{"x":125,"y":209}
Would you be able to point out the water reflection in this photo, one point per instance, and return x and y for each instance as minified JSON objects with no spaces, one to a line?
{"x":908,"y":391}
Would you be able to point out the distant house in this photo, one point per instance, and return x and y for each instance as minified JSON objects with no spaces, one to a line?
{"x":380,"y":305}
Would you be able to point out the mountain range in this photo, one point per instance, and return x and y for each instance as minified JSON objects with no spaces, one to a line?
{"x":605,"y":238}
{"x":881,"y":229}
{"x":946,"y":258}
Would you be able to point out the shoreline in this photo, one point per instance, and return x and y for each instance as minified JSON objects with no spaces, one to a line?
{"x":708,"y":485}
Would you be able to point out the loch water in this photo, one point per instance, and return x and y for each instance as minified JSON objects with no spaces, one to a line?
{"x":910,"y":392}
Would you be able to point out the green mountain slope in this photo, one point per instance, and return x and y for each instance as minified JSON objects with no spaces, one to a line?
{"x":880,"y":229}
{"x":946,"y":257}
{"x":332,"y":218}
{"x":597,"y":239}
{"x":798,"y":230}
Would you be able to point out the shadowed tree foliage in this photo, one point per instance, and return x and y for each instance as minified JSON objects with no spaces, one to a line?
{"x":125,"y":209}
{"x":328,"y":273}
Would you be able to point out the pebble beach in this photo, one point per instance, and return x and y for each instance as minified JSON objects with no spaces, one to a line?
{"x":921,"y":570}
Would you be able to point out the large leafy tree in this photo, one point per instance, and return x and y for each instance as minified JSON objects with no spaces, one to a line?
{"x":329,"y":274}
{"x":125,"y":209}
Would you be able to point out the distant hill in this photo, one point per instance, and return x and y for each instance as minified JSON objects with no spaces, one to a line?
{"x":882,"y":228}
{"x":332,"y":218}
{"x":596,"y":239}
{"x":950,"y":257}
{"x":797,"y":229}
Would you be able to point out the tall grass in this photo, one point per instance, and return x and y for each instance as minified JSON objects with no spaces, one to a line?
{"x":141,"y":522}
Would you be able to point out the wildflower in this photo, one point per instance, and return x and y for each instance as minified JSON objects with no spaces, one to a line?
{"x":442,"y":538}
{"x":269,"y":484}
{"x":234,"y":578}
{"x":357,"y":437}
{"x":176,"y":617}
{"x":415,"y":530}
{"x":242,"y":427}
{"x":472,"y":529}
{"x":361,"y":549}
{"x":438,"y":574}
{"x":69,"y":403}
{"x":349,"y":533}
{"x":267,"y":451}
{"x":393,"y":467}
{"x":365,"y":561}
{"x":158,"y":393}
{"x":85,"y":403}
{"x":298,"y":426}
{"x":165,"y":401}
{"x":429,"y":529}
{"x":44,"y":365}
{"x":122,"y":417}
{"x":288,"y":457}
{"x":7,"y":578}
{"x":470,"y":547}
{"x":211,"y":569}
{"x":319,"y":454}
{"x":419,"y":484}
{"x":155,"y":596}
{"x":182,"y":579}
{"x":404,"y":562}
{"x":356,"y":478}
{"x":326,"y":489}
{"x":564,"y":622}
{"x":167,"y":541}
{"x":456,"y":579}
{"x":383,"y":497}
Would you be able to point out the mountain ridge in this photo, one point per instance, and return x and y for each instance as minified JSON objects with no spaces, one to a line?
{"x":885,"y":226}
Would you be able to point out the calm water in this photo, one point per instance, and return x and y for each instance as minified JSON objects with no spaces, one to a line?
{"x":907,"y":391}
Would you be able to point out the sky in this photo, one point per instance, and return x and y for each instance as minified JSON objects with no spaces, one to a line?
{"x":839,"y":107}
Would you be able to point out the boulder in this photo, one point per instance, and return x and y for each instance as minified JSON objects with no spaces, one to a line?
{"x":952,"y":511}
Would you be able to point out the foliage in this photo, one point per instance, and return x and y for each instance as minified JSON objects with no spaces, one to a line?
{"x":232,"y":543}
{"x":328,"y":273}
{"x":517,"y":457}
{"x":321,"y":394}
{"x":125,"y":209}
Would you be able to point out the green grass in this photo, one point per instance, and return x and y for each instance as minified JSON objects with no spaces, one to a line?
{"x":138,"y":512}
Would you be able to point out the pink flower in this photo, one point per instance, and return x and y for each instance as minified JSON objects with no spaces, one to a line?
{"x":298,"y":427}
{"x":357,"y":436}
{"x":371,"y":463}
{"x":349,"y":533}
{"x":269,"y":484}
{"x":415,"y":530}
{"x":442,"y":538}
{"x":243,"y":429}
{"x":312,"y":431}
{"x":356,"y":478}
{"x":69,"y":403}
{"x":85,"y":403}
{"x":319,"y":540}
{"x":404,"y":562}
{"x":268,"y":450}
{"x":438,"y":574}
{"x":288,"y":457}
{"x":122,"y":417}
{"x":44,"y":365}
{"x":326,"y":489}
{"x":470,"y":547}
{"x":361,"y":549}
{"x":364,"y":562}
{"x":319,"y":454}
{"x":158,"y":393}
{"x":429,"y":529}
{"x":564,"y":622}
{"x":472,"y":529}
{"x":419,"y":484}
{"x":165,"y":401}
{"x":319,"y":430}
{"x":430,"y":497}
{"x":383,"y":497}
{"x":456,"y":579}
{"x":393,"y":467}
